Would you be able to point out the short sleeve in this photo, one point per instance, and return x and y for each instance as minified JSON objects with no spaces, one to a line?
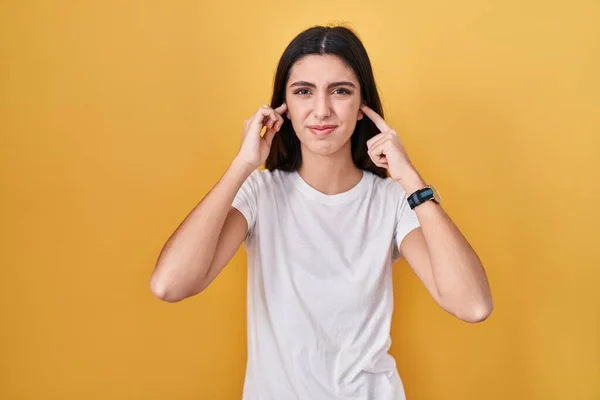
{"x":406,"y":221}
{"x":246,"y":199}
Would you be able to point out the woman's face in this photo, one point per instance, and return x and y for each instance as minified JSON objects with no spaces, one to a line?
{"x":322,"y":92}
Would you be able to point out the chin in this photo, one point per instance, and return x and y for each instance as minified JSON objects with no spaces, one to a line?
{"x":322,"y":151}
{"x":324,"y":147}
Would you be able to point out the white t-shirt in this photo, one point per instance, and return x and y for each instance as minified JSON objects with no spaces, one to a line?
{"x":320,"y":287}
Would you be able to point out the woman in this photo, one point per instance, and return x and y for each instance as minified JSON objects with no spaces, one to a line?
{"x":323,"y":224}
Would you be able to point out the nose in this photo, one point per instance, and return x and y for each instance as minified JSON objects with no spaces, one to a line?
{"x":321,"y":106}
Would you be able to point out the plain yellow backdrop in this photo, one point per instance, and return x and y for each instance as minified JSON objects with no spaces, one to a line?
{"x":117,"y":117}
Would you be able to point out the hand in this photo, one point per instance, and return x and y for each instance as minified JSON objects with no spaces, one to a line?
{"x":386,"y":149}
{"x":255,"y":148}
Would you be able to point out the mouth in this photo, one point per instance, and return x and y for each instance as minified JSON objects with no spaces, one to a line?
{"x":322,"y":130}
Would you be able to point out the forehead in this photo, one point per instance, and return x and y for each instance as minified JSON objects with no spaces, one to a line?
{"x":321,"y":69}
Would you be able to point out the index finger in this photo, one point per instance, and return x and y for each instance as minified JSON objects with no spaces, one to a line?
{"x":376,"y":118}
{"x":281,"y":109}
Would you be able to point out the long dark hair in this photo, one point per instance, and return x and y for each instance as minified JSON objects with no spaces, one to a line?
{"x":342,"y":42}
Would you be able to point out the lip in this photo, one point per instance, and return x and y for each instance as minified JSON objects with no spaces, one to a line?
{"x":322,"y":130}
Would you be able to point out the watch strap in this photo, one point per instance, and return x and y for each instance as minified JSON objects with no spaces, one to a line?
{"x":420,"y":196}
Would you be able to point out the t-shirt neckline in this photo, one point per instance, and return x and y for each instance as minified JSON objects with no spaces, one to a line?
{"x":344,"y":197}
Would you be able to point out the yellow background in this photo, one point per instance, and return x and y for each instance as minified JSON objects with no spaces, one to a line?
{"x":116,"y":117}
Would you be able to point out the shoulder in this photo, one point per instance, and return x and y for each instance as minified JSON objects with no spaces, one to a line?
{"x":386,"y":187}
{"x":264,"y":175}
{"x":265,"y":179}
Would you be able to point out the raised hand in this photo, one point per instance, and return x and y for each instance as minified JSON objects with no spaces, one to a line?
{"x":386,"y":149}
{"x":255,"y":148}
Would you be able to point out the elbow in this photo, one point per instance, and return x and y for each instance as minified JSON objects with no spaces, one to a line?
{"x":166,"y":291}
{"x":161,"y":290}
{"x":473,"y":311}
{"x":477,"y":312}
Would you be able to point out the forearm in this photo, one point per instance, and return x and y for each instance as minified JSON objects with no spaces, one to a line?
{"x":456,"y":269}
{"x":187,"y":255}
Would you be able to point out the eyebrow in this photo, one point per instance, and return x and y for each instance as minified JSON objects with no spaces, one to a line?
{"x":312,"y":85}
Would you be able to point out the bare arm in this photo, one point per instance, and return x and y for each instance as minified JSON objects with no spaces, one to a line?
{"x":210,"y":235}
{"x":437,"y":251}
{"x":446,"y":263}
{"x":185,"y":266}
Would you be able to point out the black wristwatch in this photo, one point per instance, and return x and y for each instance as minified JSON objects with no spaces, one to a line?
{"x":422,"y":195}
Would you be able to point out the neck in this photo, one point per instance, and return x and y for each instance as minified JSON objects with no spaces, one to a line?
{"x":332,"y":174}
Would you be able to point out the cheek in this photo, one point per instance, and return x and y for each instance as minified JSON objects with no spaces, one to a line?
{"x":297,"y":110}
{"x":348,"y":112}
{"x":293,"y":114}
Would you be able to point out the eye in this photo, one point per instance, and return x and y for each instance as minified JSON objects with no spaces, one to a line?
{"x":301,"y":90}
{"x":343,"y":91}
